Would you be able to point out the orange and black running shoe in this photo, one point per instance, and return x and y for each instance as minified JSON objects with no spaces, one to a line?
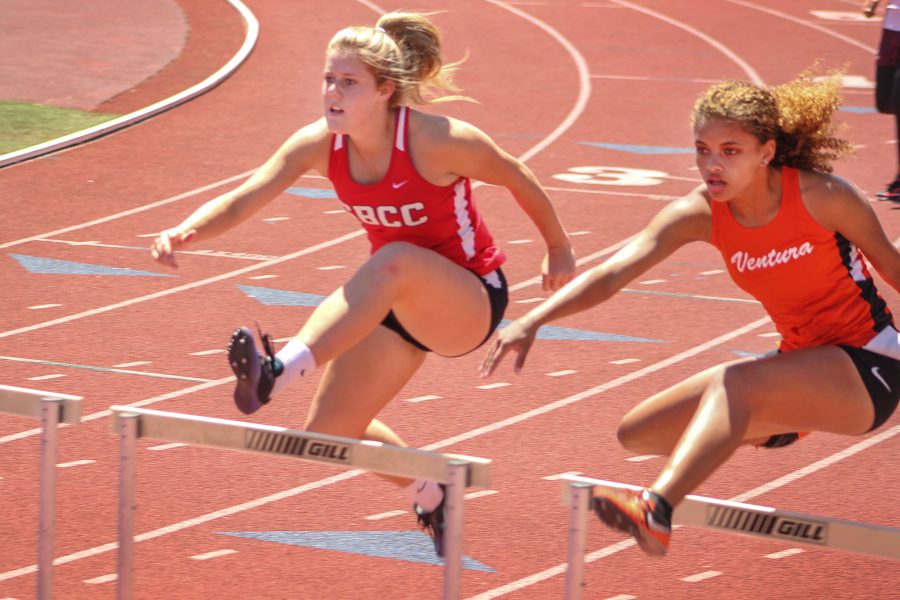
{"x":643,"y":514}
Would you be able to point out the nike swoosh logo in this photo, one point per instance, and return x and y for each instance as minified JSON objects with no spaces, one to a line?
{"x":881,"y":379}
{"x":397,"y":186}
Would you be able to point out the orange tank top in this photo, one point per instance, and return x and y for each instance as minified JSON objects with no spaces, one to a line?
{"x":812,"y":282}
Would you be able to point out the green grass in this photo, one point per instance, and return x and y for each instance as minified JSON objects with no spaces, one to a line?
{"x":24,"y":125}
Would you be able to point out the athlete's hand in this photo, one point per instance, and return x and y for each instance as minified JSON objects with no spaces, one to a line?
{"x":869,"y":8}
{"x":558,"y":268}
{"x":517,"y":336}
{"x":167,"y":242}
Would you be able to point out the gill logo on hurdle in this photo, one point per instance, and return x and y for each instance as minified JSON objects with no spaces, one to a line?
{"x":281,"y":443}
{"x":767,"y":524}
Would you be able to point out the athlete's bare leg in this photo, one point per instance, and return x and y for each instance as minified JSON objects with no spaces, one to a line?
{"x":359,"y":383}
{"x":443,"y":305}
{"x":817,"y":389}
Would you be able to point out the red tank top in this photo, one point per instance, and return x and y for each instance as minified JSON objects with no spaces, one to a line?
{"x":812,"y":282}
{"x":404,"y":207}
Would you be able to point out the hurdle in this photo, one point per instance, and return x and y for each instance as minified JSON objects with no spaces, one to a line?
{"x":456,"y":471}
{"x":51,"y":409}
{"x":731,"y":517}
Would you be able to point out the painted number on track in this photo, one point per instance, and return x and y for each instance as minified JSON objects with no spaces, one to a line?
{"x":612,"y":176}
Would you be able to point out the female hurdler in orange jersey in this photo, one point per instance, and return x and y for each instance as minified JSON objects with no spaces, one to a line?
{"x":433,"y":280}
{"x":792,"y":236}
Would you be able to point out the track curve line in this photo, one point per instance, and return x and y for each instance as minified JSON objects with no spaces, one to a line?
{"x":745,"y":67}
{"x":85,"y":135}
{"x":819,"y":28}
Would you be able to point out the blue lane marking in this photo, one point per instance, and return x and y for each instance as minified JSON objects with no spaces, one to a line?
{"x":745,"y":354}
{"x":36,"y":264}
{"x":271,"y":297}
{"x":635,"y":149}
{"x":862,"y":110}
{"x":307,"y":192}
{"x":409,"y":546}
{"x":549,"y":332}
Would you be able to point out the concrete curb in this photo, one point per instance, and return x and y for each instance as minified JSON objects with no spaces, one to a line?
{"x":79,"y":137}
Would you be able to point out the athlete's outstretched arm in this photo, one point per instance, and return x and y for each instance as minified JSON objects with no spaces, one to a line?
{"x":299,"y":154}
{"x":469,"y":152}
{"x":684,"y":220}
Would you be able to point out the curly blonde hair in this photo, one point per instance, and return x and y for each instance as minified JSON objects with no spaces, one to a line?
{"x":797,"y":115}
{"x":403,"y":47}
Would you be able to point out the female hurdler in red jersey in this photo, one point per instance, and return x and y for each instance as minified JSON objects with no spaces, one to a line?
{"x":792,"y":236}
{"x":433,"y":280}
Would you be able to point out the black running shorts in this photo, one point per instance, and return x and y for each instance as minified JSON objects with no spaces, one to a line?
{"x":881,"y":376}
{"x":498,"y":297}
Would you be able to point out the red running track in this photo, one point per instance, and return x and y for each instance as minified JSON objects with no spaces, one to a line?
{"x":549,"y":76}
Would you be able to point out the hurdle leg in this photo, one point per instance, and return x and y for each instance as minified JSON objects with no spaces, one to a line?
{"x":50,"y":412}
{"x":579,"y":500}
{"x":128,"y":432}
{"x":453,"y":536}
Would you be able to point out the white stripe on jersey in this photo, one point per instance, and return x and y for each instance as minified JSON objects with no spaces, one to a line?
{"x":401,"y":129}
{"x":338,"y":142}
{"x":886,"y":343}
{"x":465,"y":232}
{"x":493,"y":280}
{"x":856,"y":271}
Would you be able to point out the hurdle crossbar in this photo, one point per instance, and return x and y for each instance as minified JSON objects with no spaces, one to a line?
{"x":51,"y":409}
{"x":456,"y":472}
{"x":732,"y":517}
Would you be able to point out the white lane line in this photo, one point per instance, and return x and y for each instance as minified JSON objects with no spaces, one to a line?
{"x":559,"y":476}
{"x":712,"y":272}
{"x":577,"y":233}
{"x":258,"y":277}
{"x":622,"y":597}
{"x":162,"y":447}
{"x":418,"y":399}
{"x":662,"y":197}
{"x":624,"y":361}
{"x":480,"y":494}
{"x":642,"y":458}
{"x":43,"y":306}
{"x":46,"y":377}
{"x":784,"y":553}
{"x":561,"y":373}
{"x":49,"y":363}
{"x":530,"y":300}
{"x":584,"y":79}
{"x":331,"y":268}
{"x":208,"y":352}
{"x":128,"y":213}
{"x":339,"y":211}
{"x":136,"y":363}
{"x":386,"y":515}
{"x":651,"y":281}
{"x":188,"y":286}
{"x":75,"y":463}
{"x":770,"y":334}
{"x":745,"y":67}
{"x":492,"y":386}
{"x":213,"y":554}
{"x":101,"y":579}
{"x":868,"y":49}
{"x":105,"y":413}
{"x":276,"y":219}
{"x":701,"y":576}
{"x":514,"y":242}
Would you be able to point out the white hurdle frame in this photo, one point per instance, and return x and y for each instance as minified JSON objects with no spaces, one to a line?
{"x":51,"y":409}
{"x":730,"y":517}
{"x":456,"y":471}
